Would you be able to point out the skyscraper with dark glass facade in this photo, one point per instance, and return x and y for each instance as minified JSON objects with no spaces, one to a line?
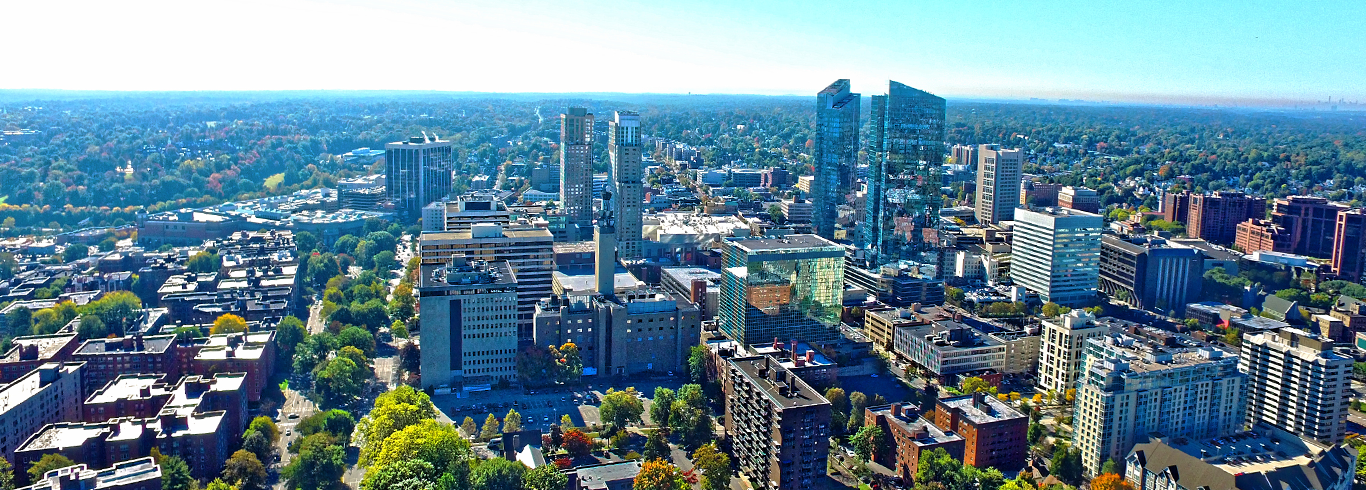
{"x":837,"y":126}
{"x":417,"y":172}
{"x":905,"y":151}
{"x":788,"y":287}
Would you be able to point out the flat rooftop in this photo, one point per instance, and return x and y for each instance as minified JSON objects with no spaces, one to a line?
{"x":130,"y":387}
{"x":797,"y":393}
{"x":154,"y":344}
{"x":786,"y":243}
{"x":47,"y":345}
{"x":28,"y":385}
{"x":986,"y":409}
{"x":926,"y":433}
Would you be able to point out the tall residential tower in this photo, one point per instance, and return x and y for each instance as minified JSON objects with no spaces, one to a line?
{"x":623,"y":147}
{"x":837,"y":126}
{"x":905,"y":155}
{"x":998,"y":183}
{"x":576,"y":170}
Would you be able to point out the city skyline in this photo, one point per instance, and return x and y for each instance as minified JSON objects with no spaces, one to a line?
{"x":1168,"y":53}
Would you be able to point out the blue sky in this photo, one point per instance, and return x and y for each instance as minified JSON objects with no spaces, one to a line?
{"x":1160,"y":51}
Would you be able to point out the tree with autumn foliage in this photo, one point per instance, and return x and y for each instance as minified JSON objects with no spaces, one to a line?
{"x":577,"y":443}
{"x":1110,"y":481}
{"x":659,"y":475}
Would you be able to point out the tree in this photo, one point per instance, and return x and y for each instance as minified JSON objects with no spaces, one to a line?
{"x":974,"y":384}
{"x":175,"y":472}
{"x":659,"y":475}
{"x":571,"y":364}
{"x":545,"y":477}
{"x":288,"y":334}
{"x":118,"y":310}
{"x":1233,"y":337}
{"x":1036,"y":432}
{"x":469,"y":428}
{"x":1110,"y":481}
{"x":698,"y":362}
{"x":497,"y":474}
{"x":6,"y":475}
{"x":490,"y":429}
{"x":1052,"y":310}
{"x":714,"y":466}
{"x":955,"y":296}
{"x":656,"y":447}
{"x":839,"y":409}
{"x":512,"y":422}
{"x":661,"y":406}
{"x":338,"y":423}
{"x":1066,"y":464}
{"x":48,"y":463}
{"x":244,"y":471}
{"x":867,"y":441}
{"x":91,"y":327}
{"x":1109,"y":467}
{"x":204,"y":262}
{"x":620,"y":408}
{"x":320,"y":464}
{"x":228,"y":323}
{"x":399,"y":329}
{"x":264,"y":425}
{"x":260,"y":445}
{"x":75,"y":252}
{"x":306,"y":242}
{"x":359,"y":338}
{"x":577,"y":443}
{"x":339,"y":381}
{"x":857,"y":402}
{"x":435,"y":443}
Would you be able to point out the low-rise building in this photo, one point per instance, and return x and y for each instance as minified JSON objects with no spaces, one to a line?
{"x":1262,"y":458}
{"x":136,"y":474}
{"x":200,"y":439}
{"x":908,"y":436}
{"x":994,"y":434}
{"x":252,"y":353}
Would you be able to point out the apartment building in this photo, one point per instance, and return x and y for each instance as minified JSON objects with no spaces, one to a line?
{"x":779,"y":425}
{"x":1297,"y":382}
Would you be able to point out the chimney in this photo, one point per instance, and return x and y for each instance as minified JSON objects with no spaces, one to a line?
{"x":896,"y":409}
{"x":798,"y":361}
{"x":978,"y":399}
{"x":127,"y":343}
{"x":793,"y":351}
{"x":777,"y":344}
{"x":810,"y":356}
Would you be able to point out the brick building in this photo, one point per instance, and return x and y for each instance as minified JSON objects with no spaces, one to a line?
{"x":1260,"y":235}
{"x":994,"y":434}
{"x":1215,"y":217}
{"x":29,"y":352}
{"x":908,"y":435}
{"x":780,"y":426}
{"x":107,"y":359}
{"x":1310,"y":221}
{"x":200,"y":439}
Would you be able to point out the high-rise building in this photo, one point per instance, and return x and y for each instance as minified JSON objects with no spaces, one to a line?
{"x":788,"y":287}
{"x":837,"y":127}
{"x":1149,"y":273}
{"x":1061,"y":345}
{"x":623,"y":147}
{"x":1056,"y":253}
{"x":998,"y":183}
{"x":49,"y":394}
{"x":1215,"y":217}
{"x":964,"y":155}
{"x":1176,"y":206}
{"x":530,"y":252}
{"x":1297,"y":382}
{"x":1311,"y":222}
{"x":465,"y":211}
{"x":416,"y":173}
{"x":1079,"y":198}
{"x":1131,"y":387}
{"x":1039,"y":194}
{"x":1349,"y":244}
{"x":576,"y":171}
{"x":469,"y":322}
{"x":1262,"y":235}
{"x":905,"y":154}
{"x":779,"y":425}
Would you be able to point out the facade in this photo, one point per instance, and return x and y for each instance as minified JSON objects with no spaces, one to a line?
{"x":998,"y":183}
{"x":909,"y":434}
{"x":250,"y":353}
{"x":945,"y":347}
{"x":29,"y":352}
{"x":905,"y":154}
{"x":1056,"y":253}
{"x":1215,"y":217}
{"x":530,"y":252}
{"x":1061,"y":345}
{"x":1079,"y":198}
{"x":49,"y":394}
{"x":464,"y":212}
{"x":994,"y":434}
{"x":417,"y":172}
{"x":1039,"y":194}
{"x":644,"y":331}
{"x":1131,"y":387}
{"x":837,"y":147}
{"x":469,"y":322}
{"x":1311,"y":222}
{"x":1148,"y":273}
{"x":896,"y":284}
{"x":106,"y":359}
{"x":781,"y":287}
{"x":576,"y":170}
{"x":1297,"y":382}
{"x":1176,"y":206}
{"x":1261,"y":235}
{"x":779,"y":425}
{"x":1349,"y":244}
{"x":201,"y":439}
{"x":365,"y":193}
{"x":624,"y":149}
{"x":1262,"y":458}
{"x":136,"y":474}
{"x":798,"y":211}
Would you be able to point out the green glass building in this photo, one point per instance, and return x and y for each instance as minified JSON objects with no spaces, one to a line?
{"x":783,"y":288}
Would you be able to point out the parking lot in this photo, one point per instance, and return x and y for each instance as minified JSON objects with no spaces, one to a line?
{"x":541,"y":408}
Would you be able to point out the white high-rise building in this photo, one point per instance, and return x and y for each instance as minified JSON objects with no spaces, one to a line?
{"x":1132,"y":387}
{"x":623,"y":147}
{"x":1297,"y":383}
{"x":998,"y":183}
{"x":1056,"y":253}
{"x":1061,"y":345}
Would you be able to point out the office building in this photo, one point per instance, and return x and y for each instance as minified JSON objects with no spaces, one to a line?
{"x":417,"y":172}
{"x":576,"y":171}
{"x":624,"y":147}
{"x":465,"y":211}
{"x":136,"y":474}
{"x":1176,"y":206}
{"x":779,"y":426}
{"x":909,"y":434}
{"x":1263,"y":458}
{"x":1215,"y":217}
{"x":530,"y":252}
{"x":469,"y":322}
{"x":1061,"y":345}
{"x":964,"y":155}
{"x":49,"y":394}
{"x":1349,"y":244}
{"x":781,"y":287}
{"x":998,"y":183}
{"x":624,"y":334}
{"x":1262,"y":235}
{"x":1148,"y":273}
{"x":1079,"y":198}
{"x":1039,"y":194}
{"x":1132,"y":386}
{"x":798,"y":211}
{"x":836,"y":153}
{"x":994,"y":433}
{"x":365,"y":192}
{"x":905,"y":154}
{"x":1311,"y":222}
{"x":1297,"y":382}
{"x":899,"y":283}
{"x":1056,"y":253}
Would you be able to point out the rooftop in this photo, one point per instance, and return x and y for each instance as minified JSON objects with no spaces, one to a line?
{"x":980,"y":408}
{"x":154,"y":344}
{"x":129,"y":387}
{"x":777,"y":383}
{"x":1264,"y":458}
{"x":907,"y":417}
{"x":613,"y":476}
{"x":39,"y":347}
{"x":28,"y":385}
{"x":786,"y":243}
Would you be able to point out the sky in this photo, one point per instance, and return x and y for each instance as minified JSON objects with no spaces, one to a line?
{"x":1234,"y":52}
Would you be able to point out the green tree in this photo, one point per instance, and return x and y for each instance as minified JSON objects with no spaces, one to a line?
{"x":714,"y":466}
{"x":118,"y":310}
{"x":867,"y":441}
{"x":204,"y":262}
{"x":1066,"y":464}
{"x":219,"y":484}
{"x":319,"y":466}
{"x":339,"y":381}
{"x":359,"y":338}
{"x":1109,"y":467}
{"x":469,"y":427}
{"x":659,"y":475}
{"x":306,"y":242}
{"x":497,"y":474}
{"x":490,"y":429}
{"x":620,"y":408}
{"x":92,"y":327}
{"x":47,"y":463}
{"x":656,"y":447}
{"x":75,"y":252}
{"x":955,"y":296}
{"x":1233,"y":337}
{"x":1035,"y":433}
{"x":512,"y":422}
{"x":416,"y":474}
{"x":974,"y":384}
{"x":264,"y":425}
{"x":288,"y":334}
{"x":338,"y":423}
{"x":428,"y":441}
{"x":775,"y":213}
{"x":244,"y":471}
{"x":698,"y":362}
{"x":259,"y":444}
{"x":545,"y":477}
{"x":6,"y":475}
{"x":661,"y":406}
{"x":857,"y":402}
{"x":175,"y":473}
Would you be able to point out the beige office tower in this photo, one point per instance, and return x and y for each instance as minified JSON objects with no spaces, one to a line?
{"x":529,"y":251}
{"x":998,"y":183}
{"x":623,"y":147}
{"x":576,"y":171}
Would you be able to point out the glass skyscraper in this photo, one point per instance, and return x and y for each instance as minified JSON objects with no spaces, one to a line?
{"x":905,"y":151}
{"x":786,"y":288}
{"x":837,"y":126}
{"x":417,"y":172}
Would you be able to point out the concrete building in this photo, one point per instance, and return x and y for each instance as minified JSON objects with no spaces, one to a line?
{"x":643,"y":331}
{"x":1056,"y":253}
{"x":464,"y":212}
{"x":946,"y":346}
{"x":1131,"y":387}
{"x":994,"y":433}
{"x":700,"y":286}
{"x":798,"y":211}
{"x":530,"y":252}
{"x":1297,"y":382}
{"x":998,"y":183}
{"x":1349,"y":244}
{"x":781,"y":287}
{"x":624,"y":149}
{"x":1148,"y":273}
{"x":909,"y":434}
{"x":896,"y":284}
{"x":365,"y":192}
{"x":836,"y":153}
{"x":416,"y":173}
{"x":576,"y":171}
{"x":136,"y":474}
{"x":469,"y":322}
{"x":1079,"y":198}
{"x":1061,"y":345}
{"x":1311,"y":222}
{"x":49,"y":394}
{"x":1215,"y":217}
{"x":779,"y":425}
{"x":1263,"y":458}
